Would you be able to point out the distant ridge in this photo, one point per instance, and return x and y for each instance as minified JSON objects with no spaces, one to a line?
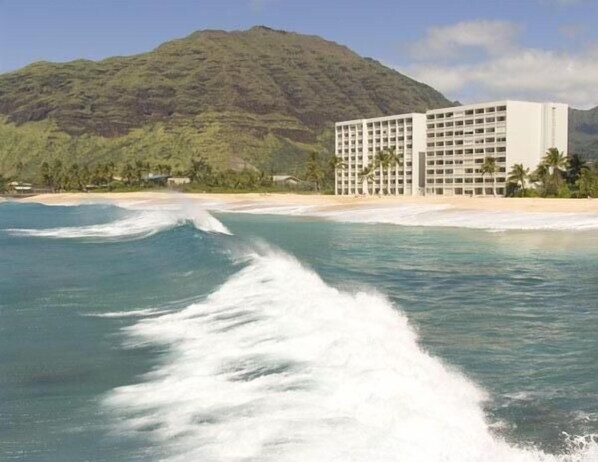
{"x":583,"y":133}
{"x":261,"y":97}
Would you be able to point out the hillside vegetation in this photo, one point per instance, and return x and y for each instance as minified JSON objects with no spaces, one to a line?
{"x":583,"y":133}
{"x":258,"y":99}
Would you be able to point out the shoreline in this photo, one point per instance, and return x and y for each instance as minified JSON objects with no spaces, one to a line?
{"x":330,"y":202}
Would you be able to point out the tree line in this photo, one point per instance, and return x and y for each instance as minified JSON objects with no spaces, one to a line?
{"x":557,"y":175}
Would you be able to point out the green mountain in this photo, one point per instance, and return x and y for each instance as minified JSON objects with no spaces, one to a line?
{"x":583,"y":133}
{"x":259,"y":98}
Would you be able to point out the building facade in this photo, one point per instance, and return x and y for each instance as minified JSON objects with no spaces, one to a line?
{"x":512,"y":132}
{"x":442,"y":152}
{"x":358,"y":142}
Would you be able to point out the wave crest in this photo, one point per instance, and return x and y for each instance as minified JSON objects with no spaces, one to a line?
{"x":137,"y":225}
{"x":276,"y":365}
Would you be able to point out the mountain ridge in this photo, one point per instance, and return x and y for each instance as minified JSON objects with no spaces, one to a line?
{"x":583,"y":132}
{"x":260,"y":98}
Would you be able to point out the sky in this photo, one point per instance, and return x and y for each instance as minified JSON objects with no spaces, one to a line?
{"x":471,"y":51}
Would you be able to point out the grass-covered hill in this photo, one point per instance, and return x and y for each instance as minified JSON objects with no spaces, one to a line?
{"x":583,"y":133}
{"x":258,"y":98}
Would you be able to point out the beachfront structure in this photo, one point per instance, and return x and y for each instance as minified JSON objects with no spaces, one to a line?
{"x":447,"y":147}
{"x":459,"y":139}
{"x":359,"y":141}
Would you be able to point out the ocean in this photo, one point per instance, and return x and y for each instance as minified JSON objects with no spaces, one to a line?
{"x":173,"y":334}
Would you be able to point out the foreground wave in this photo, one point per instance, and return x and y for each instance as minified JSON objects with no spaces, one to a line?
{"x":139,"y":224}
{"x":276,"y":365}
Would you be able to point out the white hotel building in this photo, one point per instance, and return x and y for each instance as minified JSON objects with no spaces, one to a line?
{"x":442,"y":150}
{"x":358,"y":141}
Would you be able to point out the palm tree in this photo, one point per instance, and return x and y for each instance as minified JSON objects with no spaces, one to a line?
{"x":556,"y":162}
{"x":47,"y":175}
{"x":381,"y":162}
{"x":575,"y":166}
{"x":393,"y":161}
{"x":588,"y":182}
{"x":139,"y":169}
{"x":314,"y":172}
{"x":519,"y":176}
{"x":199,"y":171}
{"x":489,"y":167}
{"x":336,"y":164}
{"x":540,"y":175}
{"x":366,"y":176}
{"x":127,"y":173}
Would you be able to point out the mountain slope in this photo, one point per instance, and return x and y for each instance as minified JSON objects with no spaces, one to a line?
{"x":260,"y":97}
{"x":583,"y":133}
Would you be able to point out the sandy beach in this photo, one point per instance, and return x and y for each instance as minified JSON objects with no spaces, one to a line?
{"x":488,"y":213}
{"x":488,"y":204}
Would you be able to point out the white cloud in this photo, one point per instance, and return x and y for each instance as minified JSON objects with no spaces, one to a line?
{"x":448,"y":42}
{"x":506,"y":70}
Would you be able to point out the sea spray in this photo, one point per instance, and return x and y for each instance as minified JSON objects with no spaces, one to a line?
{"x":137,"y":225}
{"x":275,"y":365}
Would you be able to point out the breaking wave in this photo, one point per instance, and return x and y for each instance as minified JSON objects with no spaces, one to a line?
{"x":445,"y":216}
{"x":428,"y":215}
{"x":139,"y":224}
{"x":276,"y":365}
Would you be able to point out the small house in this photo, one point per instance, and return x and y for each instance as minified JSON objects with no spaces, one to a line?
{"x":286,"y":180}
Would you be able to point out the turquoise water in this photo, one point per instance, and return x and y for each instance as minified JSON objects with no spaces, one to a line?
{"x":288,"y":340}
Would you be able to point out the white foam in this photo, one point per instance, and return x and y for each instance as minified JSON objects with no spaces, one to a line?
{"x":427,"y":215}
{"x":128,"y":314}
{"x":445,"y":216}
{"x":276,"y":365}
{"x":139,"y":224}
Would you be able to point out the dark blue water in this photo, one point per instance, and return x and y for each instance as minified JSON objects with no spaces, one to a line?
{"x":515,"y":312}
